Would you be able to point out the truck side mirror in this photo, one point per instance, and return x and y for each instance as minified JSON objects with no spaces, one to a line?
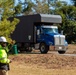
{"x":62,"y":32}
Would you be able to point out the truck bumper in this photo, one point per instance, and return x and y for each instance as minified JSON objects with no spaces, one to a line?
{"x":58,"y":48}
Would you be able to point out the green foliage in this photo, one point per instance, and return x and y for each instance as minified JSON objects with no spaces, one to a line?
{"x":18,"y":9}
{"x":28,"y":9}
{"x":7,"y":27}
{"x":42,"y":7}
{"x":7,"y":6}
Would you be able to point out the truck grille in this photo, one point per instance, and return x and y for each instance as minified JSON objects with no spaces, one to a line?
{"x":59,"y":39}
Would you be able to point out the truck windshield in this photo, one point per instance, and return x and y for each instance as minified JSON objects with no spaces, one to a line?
{"x":50,"y":30}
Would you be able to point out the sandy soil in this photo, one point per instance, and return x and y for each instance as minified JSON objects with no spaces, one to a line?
{"x":43,"y":64}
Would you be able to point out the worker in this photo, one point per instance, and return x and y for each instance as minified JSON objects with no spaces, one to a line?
{"x":4,"y":61}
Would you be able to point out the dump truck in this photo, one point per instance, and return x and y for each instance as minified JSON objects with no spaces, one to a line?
{"x":40,"y":32}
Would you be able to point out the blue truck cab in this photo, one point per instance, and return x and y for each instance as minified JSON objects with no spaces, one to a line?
{"x":49,"y":38}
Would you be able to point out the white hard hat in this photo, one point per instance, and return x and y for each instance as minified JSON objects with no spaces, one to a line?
{"x":3,"y":39}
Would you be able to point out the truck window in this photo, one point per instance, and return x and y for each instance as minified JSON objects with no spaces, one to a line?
{"x":50,"y":30}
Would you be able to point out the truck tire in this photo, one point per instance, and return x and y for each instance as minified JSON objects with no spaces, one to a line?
{"x":61,"y":52}
{"x":43,"y":48}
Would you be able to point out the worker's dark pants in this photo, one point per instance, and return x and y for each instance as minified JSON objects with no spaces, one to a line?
{"x":3,"y":72}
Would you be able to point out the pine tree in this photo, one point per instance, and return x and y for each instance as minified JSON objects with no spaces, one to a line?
{"x":7,"y":10}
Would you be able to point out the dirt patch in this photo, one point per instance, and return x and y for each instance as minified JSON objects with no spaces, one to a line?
{"x":71,"y":49}
{"x":49,"y":61}
{"x":43,"y":64}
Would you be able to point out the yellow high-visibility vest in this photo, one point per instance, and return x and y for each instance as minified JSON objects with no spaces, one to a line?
{"x":3,"y":56}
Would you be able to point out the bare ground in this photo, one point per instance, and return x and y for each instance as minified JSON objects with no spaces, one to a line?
{"x":43,"y":64}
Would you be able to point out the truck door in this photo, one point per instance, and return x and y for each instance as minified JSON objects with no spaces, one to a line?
{"x":37,"y":32}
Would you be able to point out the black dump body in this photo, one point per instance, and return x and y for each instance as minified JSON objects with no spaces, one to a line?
{"x":25,"y":28}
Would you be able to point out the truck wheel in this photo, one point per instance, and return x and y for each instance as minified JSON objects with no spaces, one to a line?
{"x":43,"y":48}
{"x":61,"y":52}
